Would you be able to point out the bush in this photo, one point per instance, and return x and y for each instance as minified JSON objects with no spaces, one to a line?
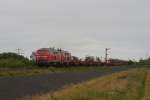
{"x":13,"y":60}
{"x":144,"y":62}
{"x":131,"y":62}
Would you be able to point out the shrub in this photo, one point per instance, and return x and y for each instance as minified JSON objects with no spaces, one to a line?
{"x":145,"y":61}
{"x":13,"y":60}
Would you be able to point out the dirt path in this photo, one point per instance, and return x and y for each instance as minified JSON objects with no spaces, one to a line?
{"x":14,"y":88}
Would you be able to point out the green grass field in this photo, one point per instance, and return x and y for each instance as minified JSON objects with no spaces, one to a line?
{"x":128,"y":85}
{"x":34,"y":70}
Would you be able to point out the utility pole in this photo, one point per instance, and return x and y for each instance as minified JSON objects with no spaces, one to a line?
{"x":106,"y":55}
{"x":19,"y":51}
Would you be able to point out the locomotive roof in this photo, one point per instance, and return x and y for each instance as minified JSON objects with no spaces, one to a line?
{"x":48,"y":49}
{"x":55,"y":50}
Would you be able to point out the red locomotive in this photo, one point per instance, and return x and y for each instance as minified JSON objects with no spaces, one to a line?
{"x":51,"y":56}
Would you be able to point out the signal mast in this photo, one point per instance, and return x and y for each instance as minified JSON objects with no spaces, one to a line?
{"x":106,"y":55}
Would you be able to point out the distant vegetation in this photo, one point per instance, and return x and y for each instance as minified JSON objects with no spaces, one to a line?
{"x":140,"y":62}
{"x":144,"y":61}
{"x":13,"y":60}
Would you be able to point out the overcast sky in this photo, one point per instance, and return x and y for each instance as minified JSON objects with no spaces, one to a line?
{"x":83,"y":27}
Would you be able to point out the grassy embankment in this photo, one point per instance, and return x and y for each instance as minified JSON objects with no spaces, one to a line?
{"x":128,"y":85}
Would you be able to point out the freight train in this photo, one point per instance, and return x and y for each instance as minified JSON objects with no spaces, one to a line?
{"x":59,"y":57}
